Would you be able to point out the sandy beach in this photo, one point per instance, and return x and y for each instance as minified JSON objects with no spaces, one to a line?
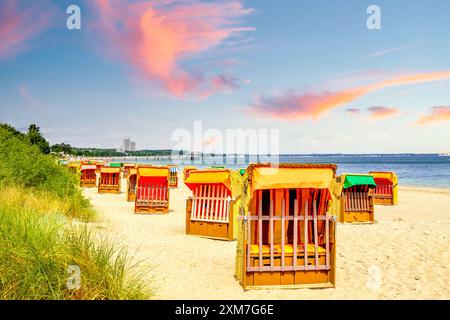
{"x":407,"y":249}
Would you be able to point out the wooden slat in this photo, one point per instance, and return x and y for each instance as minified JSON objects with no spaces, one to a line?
{"x":327,"y":240}
{"x":305,"y":252}
{"x":283,"y":233}
{"x":316,"y":235}
{"x":296,"y":206}
{"x":208,"y":201}
{"x":202,"y":205}
{"x":194,"y":199}
{"x":227,"y":208}
{"x":249,"y":241}
{"x":221,"y":205}
{"x":360,"y":206}
{"x":217,"y":204}
{"x":260,"y":228}
{"x":271,"y":229}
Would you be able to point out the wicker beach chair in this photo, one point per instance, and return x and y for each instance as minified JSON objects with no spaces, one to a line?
{"x":152,"y":190}
{"x":386,"y":191}
{"x":88,"y":178}
{"x":173,"y":175}
{"x":354,"y":200}
{"x":131,"y":184}
{"x":212,"y":209}
{"x":286,"y":237}
{"x":109,"y":180}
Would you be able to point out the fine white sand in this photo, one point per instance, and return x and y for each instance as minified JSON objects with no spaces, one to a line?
{"x":407,"y":249}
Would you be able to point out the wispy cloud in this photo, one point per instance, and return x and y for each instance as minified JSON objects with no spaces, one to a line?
{"x":18,"y":25}
{"x":379,"y":112}
{"x":295,"y":105}
{"x":435,"y":115}
{"x":155,"y":37}
{"x":353,"y":111}
{"x":24,"y":92}
{"x":387,"y":51}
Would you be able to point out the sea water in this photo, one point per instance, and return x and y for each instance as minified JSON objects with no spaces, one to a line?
{"x":428,"y":170}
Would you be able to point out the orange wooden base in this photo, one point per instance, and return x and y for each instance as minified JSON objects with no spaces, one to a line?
{"x":357,"y":217}
{"x":151,"y":210}
{"x":208,"y":229}
{"x":131,"y":196}
{"x":319,"y":278}
{"x":88,"y":184}
{"x":108,"y":189}
{"x":383,"y":201}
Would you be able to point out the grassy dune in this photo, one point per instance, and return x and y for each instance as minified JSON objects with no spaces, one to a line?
{"x":41,"y":235}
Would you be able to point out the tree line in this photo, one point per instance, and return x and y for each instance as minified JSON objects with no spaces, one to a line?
{"x":34,"y":136}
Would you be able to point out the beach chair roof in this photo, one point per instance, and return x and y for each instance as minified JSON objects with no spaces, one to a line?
{"x":110,"y":169}
{"x":186,"y":170}
{"x":88,"y":167}
{"x":151,"y":171}
{"x":290,"y":176}
{"x":189,"y":168}
{"x":349,"y":180}
{"x":229,"y":178}
{"x":391,"y":176}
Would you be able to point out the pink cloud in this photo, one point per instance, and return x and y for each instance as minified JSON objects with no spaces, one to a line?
{"x":297,"y":106}
{"x":155,"y":37}
{"x":18,"y":25}
{"x":435,"y":115}
{"x":379,"y":113}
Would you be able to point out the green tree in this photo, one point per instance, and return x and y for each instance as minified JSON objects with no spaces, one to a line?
{"x":63,"y":147}
{"x":35,"y":137}
{"x":13,"y":130}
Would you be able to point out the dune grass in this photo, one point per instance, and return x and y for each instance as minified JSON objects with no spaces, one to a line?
{"x":44,"y":238}
{"x":38,"y":244}
{"x":24,"y":166}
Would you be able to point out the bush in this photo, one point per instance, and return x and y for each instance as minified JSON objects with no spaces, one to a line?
{"x":24,"y":165}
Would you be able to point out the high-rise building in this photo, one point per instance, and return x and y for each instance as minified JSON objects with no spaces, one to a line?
{"x":126,"y":144}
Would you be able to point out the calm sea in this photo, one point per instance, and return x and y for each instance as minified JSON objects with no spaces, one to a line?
{"x":430,"y":170}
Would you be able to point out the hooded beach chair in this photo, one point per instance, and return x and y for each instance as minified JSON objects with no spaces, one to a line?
{"x":131,"y":184}
{"x":109,"y":180}
{"x":354,"y":200}
{"x":152,"y":190}
{"x":212,"y":209}
{"x":286,"y":237}
{"x":173,"y":175}
{"x":74,"y":167}
{"x":88,"y":178}
{"x":126,"y":169}
{"x":386,"y":191}
{"x":186,"y":171}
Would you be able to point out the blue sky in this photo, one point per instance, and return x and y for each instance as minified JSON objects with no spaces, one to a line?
{"x":85,"y":88}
